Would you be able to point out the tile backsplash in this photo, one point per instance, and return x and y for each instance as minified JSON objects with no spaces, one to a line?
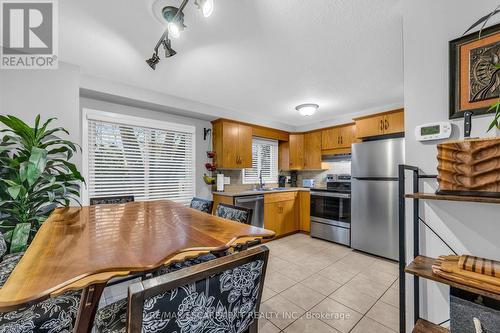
{"x":334,"y":166}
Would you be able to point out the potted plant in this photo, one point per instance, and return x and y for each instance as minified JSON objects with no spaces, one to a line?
{"x":36,"y":177}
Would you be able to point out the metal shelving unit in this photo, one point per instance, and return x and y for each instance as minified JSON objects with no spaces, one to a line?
{"x":421,"y":267}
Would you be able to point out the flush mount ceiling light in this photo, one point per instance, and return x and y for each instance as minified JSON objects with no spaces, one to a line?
{"x":307,"y":109}
{"x":174,"y":19}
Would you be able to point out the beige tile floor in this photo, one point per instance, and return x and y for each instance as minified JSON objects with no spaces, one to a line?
{"x":317,"y":286}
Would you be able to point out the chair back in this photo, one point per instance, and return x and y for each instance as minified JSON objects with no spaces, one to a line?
{"x":202,"y":205}
{"x":234,"y":213}
{"x":111,"y":200}
{"x":222,"y":295}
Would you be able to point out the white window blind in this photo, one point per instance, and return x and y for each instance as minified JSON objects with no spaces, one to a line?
{"x":146,"y":162}
{"x":265,"y":160}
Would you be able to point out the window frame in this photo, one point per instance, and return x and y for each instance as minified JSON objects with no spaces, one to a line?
{"x":122,"y":119}
{"x":273,"y":181}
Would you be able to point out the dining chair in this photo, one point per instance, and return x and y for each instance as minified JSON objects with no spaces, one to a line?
{"x":222,"y":295}
{"x":111,"y":200}
{"x":234,"y":213}
{"x":54,"y":315}
{"x":201,"y":204}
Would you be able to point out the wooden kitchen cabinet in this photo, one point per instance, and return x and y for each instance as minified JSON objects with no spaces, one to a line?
{"x":280,"y":212}
{"x":232,"y":145}
{"x":338,"y":137}
{"x":380,"y":124}
{"x":296,"y":151}
{"x":394,"y":122}
{"x":312,"y":150}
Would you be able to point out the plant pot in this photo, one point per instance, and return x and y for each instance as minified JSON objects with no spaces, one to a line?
{"x":470,"y":167}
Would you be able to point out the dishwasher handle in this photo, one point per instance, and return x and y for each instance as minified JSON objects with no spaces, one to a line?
{"x":247,"y":199}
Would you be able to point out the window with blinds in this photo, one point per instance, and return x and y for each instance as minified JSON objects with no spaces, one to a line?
{"x":265,"y":160}
{"x":147,"y":162}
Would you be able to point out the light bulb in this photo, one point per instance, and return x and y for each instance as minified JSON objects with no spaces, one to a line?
{"x":174,"y":30}
{"x":207,"y":8}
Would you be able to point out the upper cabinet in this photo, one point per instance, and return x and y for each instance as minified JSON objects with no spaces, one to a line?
{"x":296,"y":151}
{"x":312,"y":150}
{"x":232,"y":145}
{"x":383,"y":123}
{"x":338,"y":137}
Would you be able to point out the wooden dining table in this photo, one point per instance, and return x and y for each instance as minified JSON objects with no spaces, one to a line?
{"x":82,"y":248}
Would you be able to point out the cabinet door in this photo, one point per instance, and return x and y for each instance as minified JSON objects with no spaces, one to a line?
{"x":284,"y":155}
{"x":289,"y":221}
{"x":347,"y":136}
{"x":244,"y":146}
{"x":330,"y":138}
{"x":394,"y":123}
{"x":372,"y":126}
{"x":230,"y":143}
{"x":312,"y":150}
{"x":273,"y":217}
{"x":296,"y":151}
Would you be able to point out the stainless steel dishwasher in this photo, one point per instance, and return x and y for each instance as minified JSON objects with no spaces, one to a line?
{"x":256,"y":203}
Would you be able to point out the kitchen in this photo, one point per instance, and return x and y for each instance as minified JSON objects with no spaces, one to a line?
{"x":327,"y":166}
{"x":322,"y":174}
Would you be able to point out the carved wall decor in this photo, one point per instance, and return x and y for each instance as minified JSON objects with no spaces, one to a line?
{"x":470,"y":167}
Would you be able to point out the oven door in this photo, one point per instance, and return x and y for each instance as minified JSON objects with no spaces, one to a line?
{"x":331,"y":206}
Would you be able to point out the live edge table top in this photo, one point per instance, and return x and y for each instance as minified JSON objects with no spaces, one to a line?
{"x":77,"y":247}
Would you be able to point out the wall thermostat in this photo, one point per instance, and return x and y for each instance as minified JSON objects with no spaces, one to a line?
{"x":434,"y":131}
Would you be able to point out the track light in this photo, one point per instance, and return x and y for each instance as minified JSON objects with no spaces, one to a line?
{"x":175,"y":25}
{"x":167,"y":46}
{"x":175,"y":19}
{"x":153,"y":61}
{"x":206,"y":7}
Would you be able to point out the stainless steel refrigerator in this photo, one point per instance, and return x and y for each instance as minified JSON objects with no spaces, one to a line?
{"x":374,"y":205}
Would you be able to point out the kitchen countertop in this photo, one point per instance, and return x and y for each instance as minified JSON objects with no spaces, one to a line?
{"x":255,"y":192}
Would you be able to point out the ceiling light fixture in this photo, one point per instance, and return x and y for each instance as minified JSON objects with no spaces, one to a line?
{"x":175,"y":25}
{"x":307,"y":109}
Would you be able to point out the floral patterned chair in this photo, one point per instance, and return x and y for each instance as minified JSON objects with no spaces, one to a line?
{"x":234,"y":213}
{"x":54,"y":315}
{"x":111,"y":200}
{"x":237,"y":214}
{"x":203,"y":205}
{"x":222,"y":295}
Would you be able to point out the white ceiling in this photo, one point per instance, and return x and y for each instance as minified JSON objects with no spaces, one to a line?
{"x":256,"y":58}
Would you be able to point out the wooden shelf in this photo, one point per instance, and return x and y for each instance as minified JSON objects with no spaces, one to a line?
{"x":422,"y":267}
{"x":424,"y":326}
{"x":443,"y":197}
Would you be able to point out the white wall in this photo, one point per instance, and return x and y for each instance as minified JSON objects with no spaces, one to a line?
{"x":50,"y":93}
{"x":202,"y":189}
{"x":467,"y":227}
{"x":56,"y":93}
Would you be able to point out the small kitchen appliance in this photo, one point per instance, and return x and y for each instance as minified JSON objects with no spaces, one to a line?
{"x":309,"y":183}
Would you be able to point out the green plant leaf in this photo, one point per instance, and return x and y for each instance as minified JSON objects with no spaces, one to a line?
{"x":23,"y":171}
{"x":8,"y":236}
{"x":36,"y":165}
{"x":20,"y":235}
{"x":14,"y":191}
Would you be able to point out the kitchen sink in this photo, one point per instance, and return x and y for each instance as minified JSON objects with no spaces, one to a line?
{"x":269,"y":189}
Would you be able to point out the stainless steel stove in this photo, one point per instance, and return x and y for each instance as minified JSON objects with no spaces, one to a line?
{"x":331,"y":210}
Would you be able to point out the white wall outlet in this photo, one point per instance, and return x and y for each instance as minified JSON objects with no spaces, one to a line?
{"x":227,"y":180}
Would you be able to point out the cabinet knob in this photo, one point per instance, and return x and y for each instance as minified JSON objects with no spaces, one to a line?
{"x":386,"y":124}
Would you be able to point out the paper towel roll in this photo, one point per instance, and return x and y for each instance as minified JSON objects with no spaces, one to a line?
{"x":220,"y":182}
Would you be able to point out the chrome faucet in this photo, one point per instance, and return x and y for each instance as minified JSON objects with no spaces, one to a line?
{"x":261,"y":182}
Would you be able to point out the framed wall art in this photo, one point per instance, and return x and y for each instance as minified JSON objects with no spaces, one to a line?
{"x":474,"y":75}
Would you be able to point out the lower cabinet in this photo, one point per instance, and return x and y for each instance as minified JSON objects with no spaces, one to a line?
{"x":282,"y":212}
